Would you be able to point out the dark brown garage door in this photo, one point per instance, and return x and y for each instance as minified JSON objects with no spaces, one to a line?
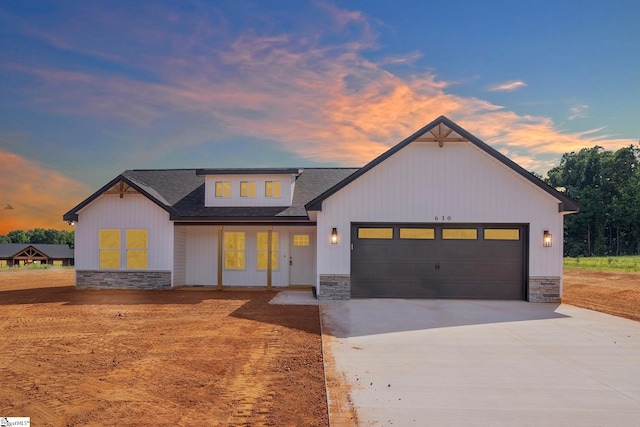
{"x":438,"y":261}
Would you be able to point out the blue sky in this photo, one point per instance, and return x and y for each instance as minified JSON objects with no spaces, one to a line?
{"x":89,"y":89}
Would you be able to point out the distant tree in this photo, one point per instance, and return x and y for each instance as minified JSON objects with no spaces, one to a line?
{"x":40,"y":235}
{"x":37,"y":235}
{"x":606,"y":185}
{"x":70,"y":238}
{"x":537,"y":175}
{"x":18,"y":236}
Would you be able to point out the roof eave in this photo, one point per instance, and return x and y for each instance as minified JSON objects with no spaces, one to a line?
{"x":237,"y":171}
{"x":175,"y":217}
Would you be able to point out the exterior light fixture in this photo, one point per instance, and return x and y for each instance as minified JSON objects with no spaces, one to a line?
{"x":547,"y":239}
{"x":334,"y":236}
{"x":71,"y":223}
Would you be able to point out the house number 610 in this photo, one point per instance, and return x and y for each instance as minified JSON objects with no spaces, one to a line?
{"x":443,"y":218}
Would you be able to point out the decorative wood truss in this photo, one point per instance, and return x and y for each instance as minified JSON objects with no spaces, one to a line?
{"x":121,"y":188}
{"x":441,"y":134}
{"x":30,"y":254}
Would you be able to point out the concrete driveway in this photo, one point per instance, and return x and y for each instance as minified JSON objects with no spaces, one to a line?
{"x":479,"y":363}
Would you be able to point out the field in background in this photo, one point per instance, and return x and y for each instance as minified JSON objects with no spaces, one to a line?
{"x":630,"y":264}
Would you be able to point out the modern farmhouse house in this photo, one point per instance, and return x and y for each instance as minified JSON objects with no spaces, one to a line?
{"x":440,"y":215}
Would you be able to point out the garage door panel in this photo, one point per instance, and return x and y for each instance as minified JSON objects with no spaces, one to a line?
{"x":473,"y":290}
{"x":401,"y":288}
{"x":465,"y":265}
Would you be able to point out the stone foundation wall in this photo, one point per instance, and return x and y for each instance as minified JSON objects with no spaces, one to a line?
{"x":544,"y":289}
{"x":101,"y":279}
{"x":334,"y":287}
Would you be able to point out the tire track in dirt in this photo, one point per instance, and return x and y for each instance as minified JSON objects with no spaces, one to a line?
{"x":249,"y":401}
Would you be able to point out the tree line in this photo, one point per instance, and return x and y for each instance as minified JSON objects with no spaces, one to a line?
{"x":40,"y":235}
{"x":607,"y":186}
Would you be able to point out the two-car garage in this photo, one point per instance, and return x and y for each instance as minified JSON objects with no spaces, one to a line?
{"x":441,"y":215}
{"x":439,"y":260}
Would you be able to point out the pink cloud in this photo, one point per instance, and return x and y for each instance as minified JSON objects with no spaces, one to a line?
{"x":38,"y":196}
{"x":325,"y":102}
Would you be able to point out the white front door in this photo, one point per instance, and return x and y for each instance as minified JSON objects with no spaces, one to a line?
{"x":302,"y":259}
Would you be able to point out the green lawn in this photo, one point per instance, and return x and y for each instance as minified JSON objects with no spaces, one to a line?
{"x":612,"y":263}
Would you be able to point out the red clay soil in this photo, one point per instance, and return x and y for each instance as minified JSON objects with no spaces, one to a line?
{"x":609,"y":292}
{"x":72,"y":358}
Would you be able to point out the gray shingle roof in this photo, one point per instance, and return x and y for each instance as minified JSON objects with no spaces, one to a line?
{"x":8,"y":250}
{"x":181,"y":193}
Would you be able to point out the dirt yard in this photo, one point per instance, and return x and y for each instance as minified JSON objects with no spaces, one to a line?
{"x":609,"y":292}
{"x":193,"y":357}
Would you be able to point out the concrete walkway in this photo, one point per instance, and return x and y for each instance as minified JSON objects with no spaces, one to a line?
{"x":479,"y":363}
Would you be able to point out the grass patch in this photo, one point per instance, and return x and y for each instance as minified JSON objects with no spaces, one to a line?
{"x":612,"y":263}
{"x":34,"y":267}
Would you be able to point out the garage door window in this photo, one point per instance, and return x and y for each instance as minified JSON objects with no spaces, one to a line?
{"x":418,"y":233}
{"x":375,"y":233}
{"x":501,"y":234}
{"x":459,"y":234}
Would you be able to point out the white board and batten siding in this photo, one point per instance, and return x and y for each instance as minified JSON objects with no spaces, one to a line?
{"x":424,"y":183}
{"x":287,"y":182}
{"x":133,"y":211}
{"x":179,"y":257}
{"x":202,"y":256}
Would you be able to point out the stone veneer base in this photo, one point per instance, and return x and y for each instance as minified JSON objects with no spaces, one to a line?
{"x":139,"y":279}
{"x":334,"y":287}
{"x":544,"y":289}
{"x":338,"y":287}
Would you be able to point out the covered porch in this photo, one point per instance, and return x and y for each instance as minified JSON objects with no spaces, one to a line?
{"x":235,"y":255}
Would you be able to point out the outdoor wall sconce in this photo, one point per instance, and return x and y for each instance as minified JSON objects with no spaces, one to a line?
{"x":334,"y":236}
{"x":547,"y":239}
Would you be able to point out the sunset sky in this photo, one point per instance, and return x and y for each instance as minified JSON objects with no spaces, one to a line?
{"x":90,"y":89}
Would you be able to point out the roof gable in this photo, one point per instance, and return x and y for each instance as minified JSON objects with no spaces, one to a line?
{"x":121,"y":185}
{"x":443,"y":130}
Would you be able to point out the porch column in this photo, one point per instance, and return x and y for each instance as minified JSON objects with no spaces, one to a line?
{"x":220,"y":235}
{"x":269,"y":240}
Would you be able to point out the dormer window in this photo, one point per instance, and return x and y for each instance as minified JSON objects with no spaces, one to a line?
{"x":272,"y":189}
{"x":247,"y":189}
{"x":223,"y":189}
